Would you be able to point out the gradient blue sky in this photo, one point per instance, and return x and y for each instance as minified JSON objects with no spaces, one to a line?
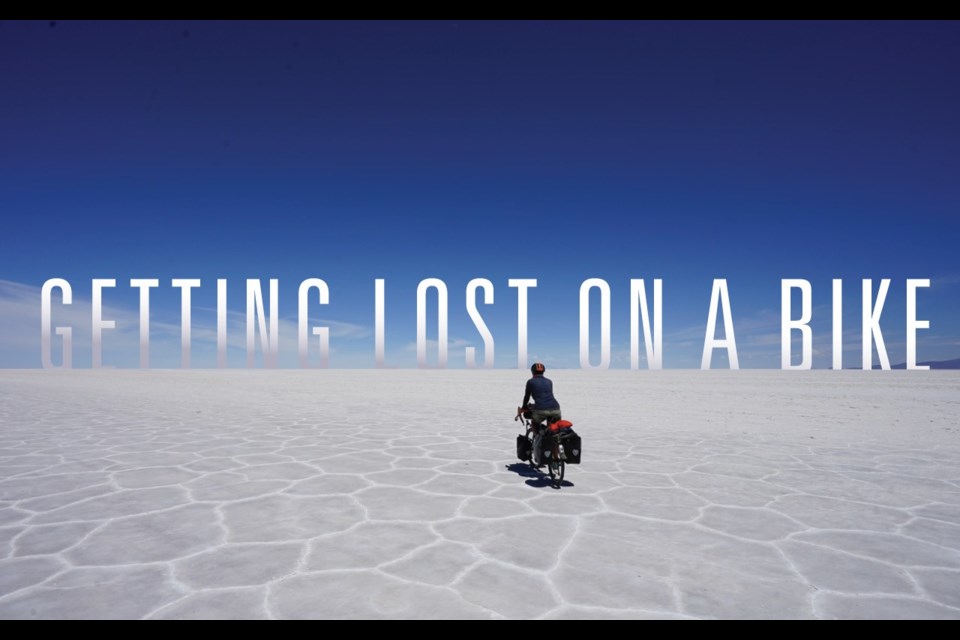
{"x":557,"y":151}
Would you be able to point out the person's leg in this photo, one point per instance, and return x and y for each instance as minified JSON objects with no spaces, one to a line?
{"x":536,"y":418}
{"x":535,"y":453}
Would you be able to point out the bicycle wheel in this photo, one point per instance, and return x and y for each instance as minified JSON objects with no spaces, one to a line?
{"x":556,"y":472}
{"x":556,"y":466}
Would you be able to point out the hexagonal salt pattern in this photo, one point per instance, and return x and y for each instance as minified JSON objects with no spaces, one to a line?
{"x":379,"y":494}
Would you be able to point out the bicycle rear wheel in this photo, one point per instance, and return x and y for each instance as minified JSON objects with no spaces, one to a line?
{"x":556,"y":466}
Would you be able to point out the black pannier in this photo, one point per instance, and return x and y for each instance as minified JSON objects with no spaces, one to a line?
{"x":568,"y":439}
{"x":523,"y":448}
{"x":571,"y":445}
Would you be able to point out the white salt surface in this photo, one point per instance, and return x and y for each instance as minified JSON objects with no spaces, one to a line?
{"x":289,"y":494}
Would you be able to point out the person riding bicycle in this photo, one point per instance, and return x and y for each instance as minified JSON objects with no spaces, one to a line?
{"x":545,"y":407}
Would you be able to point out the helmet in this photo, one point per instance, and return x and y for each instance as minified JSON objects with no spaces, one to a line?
{"x":537,"y":368}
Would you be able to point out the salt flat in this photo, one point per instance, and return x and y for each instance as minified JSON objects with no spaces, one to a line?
{"x":305,"y":494}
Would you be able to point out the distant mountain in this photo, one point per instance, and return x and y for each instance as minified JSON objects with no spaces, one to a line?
{"x":936,"y":364}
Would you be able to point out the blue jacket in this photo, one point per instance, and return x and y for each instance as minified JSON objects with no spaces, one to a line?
{"x":542,"y":391}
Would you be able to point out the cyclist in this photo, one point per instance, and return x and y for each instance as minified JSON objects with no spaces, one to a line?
{"x":545,"y":406}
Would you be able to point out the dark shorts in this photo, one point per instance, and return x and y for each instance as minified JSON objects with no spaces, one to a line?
{"x":550,"y":415}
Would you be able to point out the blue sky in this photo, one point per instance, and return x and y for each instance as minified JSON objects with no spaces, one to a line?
{"x":557,"y":151}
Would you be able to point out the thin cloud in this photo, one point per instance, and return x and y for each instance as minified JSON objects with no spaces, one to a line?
{"x":945,"y":281}
{"x":432,"y":345}
{"x":20,"y":311}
